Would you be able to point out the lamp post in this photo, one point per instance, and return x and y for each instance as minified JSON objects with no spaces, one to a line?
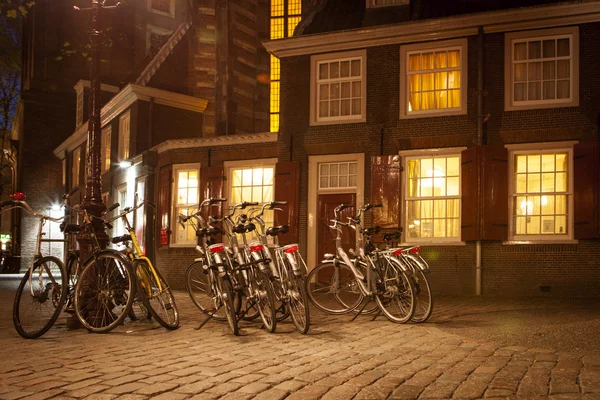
{"x":92,"y":201}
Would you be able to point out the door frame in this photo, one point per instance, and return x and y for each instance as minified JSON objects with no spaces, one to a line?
{"x":313,"y":192}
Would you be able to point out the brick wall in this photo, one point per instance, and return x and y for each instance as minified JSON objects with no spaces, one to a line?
{"x":560,"y":270}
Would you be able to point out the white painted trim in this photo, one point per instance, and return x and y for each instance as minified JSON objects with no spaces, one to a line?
{"x":449,"y":151}
{"x":521,"y":242}
{"x":537,"y":17}
{"x":461,"y":44}
{"x":544,"y":147}
{"x":573,"y":32}
{"x":225,"y":140}
{"x":83,"y":83}
{"x":169,"y":14}
{"x":313,"y":164}
{"x":123,"y":100}
{"x":314,"y":60}
{"x":173,"y":211}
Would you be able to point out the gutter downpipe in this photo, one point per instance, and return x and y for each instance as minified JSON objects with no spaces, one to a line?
{"x":480,"y":60}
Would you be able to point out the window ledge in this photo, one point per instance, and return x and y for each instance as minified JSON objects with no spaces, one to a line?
{"x":559,"y":241}
{"x":182,"y":246}
{"x":427,"y":244}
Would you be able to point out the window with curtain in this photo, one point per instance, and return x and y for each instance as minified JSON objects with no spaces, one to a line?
{"x":250,"y":183}
{"x":285,"y":15}
{"x":434,"y":80}
{"x":340,"y":89}
{"x":541,"y":194}
{"x":105,"y":142}
{"x":186,"y":190}
{"x":432,"y":198}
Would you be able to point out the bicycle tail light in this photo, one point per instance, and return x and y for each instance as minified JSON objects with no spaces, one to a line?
{"x":397,"y":252}
{"x":415,"y":250}
{"x":19,"y":196}
{"x":215,"y":248}
{"x":291,"y":248}
{"x":256,"y":247}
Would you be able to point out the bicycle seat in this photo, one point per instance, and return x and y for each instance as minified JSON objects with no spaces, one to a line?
{"x":240,"y":228}
{"x":70,"y":228}
{"x":249,"y":227}
{"x":276,"y":230}
{"x":120,"y":239}
{"x":213,"y":230}
{"x":391,"y":236}
{"x":371,"y":231}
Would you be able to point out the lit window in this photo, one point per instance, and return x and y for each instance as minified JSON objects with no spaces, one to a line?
{"x":433,"y":198}
{"x":75,"y":166}
{"x":186,"y":201}
{"x":337,"y":175}
{"x":124,"y":135}
{"x":106,"y":140}
{"x":542,"y":70}
{"x":285,"y":16}
{"x":434,"y":81}
{"x":541,"y":194}
{"x":252,"y":183}
{"x":339,"y":89}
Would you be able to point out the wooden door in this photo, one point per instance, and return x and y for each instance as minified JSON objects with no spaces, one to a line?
{"x":325,"y":236}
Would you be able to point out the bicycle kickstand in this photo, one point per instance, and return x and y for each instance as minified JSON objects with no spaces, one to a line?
{"x":210,"y":315}
{"x":361,"y":310}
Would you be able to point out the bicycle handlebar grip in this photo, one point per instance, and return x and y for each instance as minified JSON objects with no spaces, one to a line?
{"x":379,"y":205}
{"x":342,"y":207}
{"x":109,"y":209}
{"x":108,"y":225}
{"x":249,"y":203}
{"x":217,"y":200}
{"x":279,"y":203}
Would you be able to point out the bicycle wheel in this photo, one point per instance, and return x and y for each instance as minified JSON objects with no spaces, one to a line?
{"x":262,"y":295}
{"x":282,"y":310}
{"x":73,"y":270}
{"x":200,"y":290}
{"x":138,"y":310}
{"x":156,"y":295}
{"x":332,"y":288}
{"x":104,"y":292}
{"x":298,"y":303}
{"x":394,"y":292}
{"x":423,"y":295}
{"x":40,"y":297}
{"x":226,"y":297}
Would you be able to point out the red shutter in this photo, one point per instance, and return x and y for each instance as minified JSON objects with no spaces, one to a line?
{"x":385,"y":190}
{"x":586,"y":184}
{"x":469,"y":173}
{"x":211,"y":186}
{"x":494,"y":200}
{"x":164,"y":205}
{"x":484,"y":213}
{"x":287,"y":188}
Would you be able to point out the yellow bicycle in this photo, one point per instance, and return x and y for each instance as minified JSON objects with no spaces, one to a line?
{"x":151,"y":286}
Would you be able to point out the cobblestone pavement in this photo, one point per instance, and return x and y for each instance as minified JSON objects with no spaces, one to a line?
{"x":338,"y":359}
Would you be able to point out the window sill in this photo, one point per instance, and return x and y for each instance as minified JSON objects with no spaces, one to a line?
{"x":433,"y":114}
{"x":540,"y":106}
{"x":431,"y":244}
{"x":182,"y":246}
{"x":557,"y":241}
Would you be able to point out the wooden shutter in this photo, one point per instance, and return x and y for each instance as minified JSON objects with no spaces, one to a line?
{"x":287,"y":188}
{"x":386,"y":190}
{"x":164,"y":205}
{"x":469,"y":176}
{"x":484,"y":213}
{"x":586,"y":186}
{"x":211,"y":186}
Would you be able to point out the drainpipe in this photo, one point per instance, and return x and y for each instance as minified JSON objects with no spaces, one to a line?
{"x":480,"y":61}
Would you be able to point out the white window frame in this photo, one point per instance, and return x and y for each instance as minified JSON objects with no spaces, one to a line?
{"x":314,"y":101}
{"x":460,"y":44}
{"x":338,"y":188}
{"x":549,"y":147}
{"x":150,"y":29}
{"x":79,"y":107}
{"x":373,"y":3}
{"x":159,"y":12}
{"x":444,"y":152}
{"x":509,"y":38}
{"x":106,"y":147}
{"x":228,"y":166}
{"x":124,"y":136}
{"x":174,"y":206}
{"x":75,"y":166}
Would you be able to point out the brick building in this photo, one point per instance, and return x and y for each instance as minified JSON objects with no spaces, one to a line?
{"x":474,"y":124}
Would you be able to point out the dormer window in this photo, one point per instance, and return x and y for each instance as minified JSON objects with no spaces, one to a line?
{"x":386,"y":3}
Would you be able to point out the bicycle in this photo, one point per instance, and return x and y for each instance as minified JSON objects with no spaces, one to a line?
{"x":338,"y":285}
{"x":154,"y":291}
{"x":288,"y":270}
{"x":209,"y":277}
{"x":47,"y":284}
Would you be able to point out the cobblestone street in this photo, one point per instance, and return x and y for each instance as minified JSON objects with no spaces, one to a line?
{"x":450,"y":357}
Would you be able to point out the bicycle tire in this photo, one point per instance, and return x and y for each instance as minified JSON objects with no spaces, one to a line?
{"x":262,"y":295}
{"x":138,"y":310}
{"x":201,"y":292}
{"x":298,"y":303}
{"x":105,"y":291}
{"x":333,"y":293}
{"x":34,"y":314}
{"x":156,"y":295}
{"x":423,"y":294}
{"x":227,"y":298}
{"x":394,"y":292}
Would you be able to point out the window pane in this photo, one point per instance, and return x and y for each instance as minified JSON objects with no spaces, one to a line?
{"x":535,"y":50}
{"x":257,"y":175}
{"x":236,"y":195}
{"x":453,"y":187}
{"x":563,"y":47}
{"x":535,"y":71}
{"x":520,"y":51}
{"x":561,"y":181}
{"x":355,"y":68}
{"x":426,"y":167}
{"x":454,"y":59}
{"x":345,"y":69}
{"x":547,"y":205}
{"x":563,"y":69}
{"x":441,"y":60}
{"x":533,"y":163}
{"x":521,"y":186}
{"x":427,"y":61}
{"x":426,"y":187}
{"x":268,"y":176}
{"x":549,"y":48}
{"x":548,"y":182}
{"x":563,"y":89}
{"x":533,"y":225}
{"x":452,"y":166}
{"x":236,"y":177}
{"x":323,"y":71}
{"x":533,"y":183}
{"x":549,"y":69}
{"x":560,"y":225}
{"x":334,"y":70}
{"x":549,"y":91}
